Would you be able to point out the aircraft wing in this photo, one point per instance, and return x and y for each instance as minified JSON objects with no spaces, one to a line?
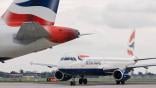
{"x":143,"y":59}
{"x":145,"y":63}
{"x":142,"y":65}
{"x":47,"y":65}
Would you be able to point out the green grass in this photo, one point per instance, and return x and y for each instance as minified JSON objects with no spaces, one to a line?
{"x":22,"y":80}
{"x":99,"y":80}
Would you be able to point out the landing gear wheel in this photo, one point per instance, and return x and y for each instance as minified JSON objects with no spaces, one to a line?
{"x":117,"y":82}
{"x":72,"y":83}
{"x":122,"y":82}
{"x":80,"y":81}
{"x":85,"y":81}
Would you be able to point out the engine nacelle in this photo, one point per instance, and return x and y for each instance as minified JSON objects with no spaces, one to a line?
{"x":61,"y":76}
{"x":121,"y":75}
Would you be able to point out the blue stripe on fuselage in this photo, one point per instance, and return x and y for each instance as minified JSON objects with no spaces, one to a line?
{"x":95,"y":72}
{"x":51,"y":4}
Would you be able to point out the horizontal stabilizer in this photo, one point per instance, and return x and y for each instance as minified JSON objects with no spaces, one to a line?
{"x":30,"y":32}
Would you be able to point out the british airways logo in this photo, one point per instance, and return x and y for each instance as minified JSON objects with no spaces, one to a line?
{"x":132,"y":45}
{"x":43,"y":3}
{"x":40,"y":11}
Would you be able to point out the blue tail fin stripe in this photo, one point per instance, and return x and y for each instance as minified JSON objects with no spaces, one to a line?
{"x":51,"y":4}
{"x":132,"y":45}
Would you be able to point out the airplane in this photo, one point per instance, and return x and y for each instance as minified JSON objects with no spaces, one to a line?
{"x":28,"y":26}
{"x":82,"y":66}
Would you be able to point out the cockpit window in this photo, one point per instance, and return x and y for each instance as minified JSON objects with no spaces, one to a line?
{"x":68,"y":59}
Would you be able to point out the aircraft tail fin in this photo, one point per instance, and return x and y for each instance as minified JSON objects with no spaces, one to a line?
{"x":131,"y":45}
{"x":39,"y":11}
{"x":131,"y":48}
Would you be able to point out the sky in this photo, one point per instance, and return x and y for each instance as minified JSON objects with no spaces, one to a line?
{"x":111,"y":21}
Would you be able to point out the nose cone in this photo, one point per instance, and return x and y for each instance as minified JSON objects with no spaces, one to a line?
{"x":71,"y":34}
{"x":77,"y":33}
{"x":63,"y":34}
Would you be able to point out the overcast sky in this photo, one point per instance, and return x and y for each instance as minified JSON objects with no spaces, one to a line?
{"x":111,"y":20}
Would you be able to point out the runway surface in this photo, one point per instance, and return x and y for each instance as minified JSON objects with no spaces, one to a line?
{"x":42,"y":85}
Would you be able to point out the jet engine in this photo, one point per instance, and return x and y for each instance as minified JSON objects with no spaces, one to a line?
{"x":61,"y":76}
{"x":121,"y":75}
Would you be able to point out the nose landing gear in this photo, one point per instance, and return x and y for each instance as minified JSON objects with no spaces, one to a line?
{"x":73,"y":82}
{"x":120,"y":82}
{"x":83,"y":81}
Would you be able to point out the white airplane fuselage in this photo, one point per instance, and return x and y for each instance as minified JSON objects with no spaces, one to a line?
{"x":10,"y":48}
{"x":24,"y":28}
{"x":83,"y":66}
{"x":94,"y":65}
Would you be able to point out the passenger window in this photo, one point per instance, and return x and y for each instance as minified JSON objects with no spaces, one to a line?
{"x":74,"y":59}
{"x":68,"y":59}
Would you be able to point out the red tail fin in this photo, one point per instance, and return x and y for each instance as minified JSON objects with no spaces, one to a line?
{"x":131,"y":44}
{"x":40,"y":11}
